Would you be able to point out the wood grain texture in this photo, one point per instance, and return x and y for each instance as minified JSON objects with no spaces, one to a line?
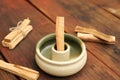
{"x":83,"y":13}
{"x":112,"y":6}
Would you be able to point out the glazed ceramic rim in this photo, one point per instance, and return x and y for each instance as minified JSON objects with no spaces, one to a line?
{"x":82,"y":45}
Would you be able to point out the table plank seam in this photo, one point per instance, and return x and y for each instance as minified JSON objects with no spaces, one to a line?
{"x":104,"y":63}
{"x":40,"y":11}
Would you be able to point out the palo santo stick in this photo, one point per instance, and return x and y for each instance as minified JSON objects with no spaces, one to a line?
{"x":15,"y":32}
{"x":87,"y":37}
{"x":60,"y":33}
{"x":21,"y":71}
{"x":97,"y":34}
{"x":5,"y":44}
{"x":92,"y":38}
{"x":18,"y":38}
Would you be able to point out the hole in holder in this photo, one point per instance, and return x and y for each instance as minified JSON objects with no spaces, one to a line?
{"x":65,"y":47}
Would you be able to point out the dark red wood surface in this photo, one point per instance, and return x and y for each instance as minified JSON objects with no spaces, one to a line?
{"x":107,"y":5}
{"x":103,"y":60}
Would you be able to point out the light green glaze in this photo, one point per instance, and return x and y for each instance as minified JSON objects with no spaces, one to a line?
{"x":78,"y":56}
{"x":48,"y":41}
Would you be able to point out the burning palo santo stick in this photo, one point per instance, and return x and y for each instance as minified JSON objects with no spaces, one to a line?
{"x":21,"y":71}
{"x":97,"y":34}
{"x":60,"y":33}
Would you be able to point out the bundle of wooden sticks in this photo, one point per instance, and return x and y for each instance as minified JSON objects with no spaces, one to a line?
{"x":17,"y":34}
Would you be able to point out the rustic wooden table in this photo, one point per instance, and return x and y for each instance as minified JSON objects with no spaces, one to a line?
{"x":103,"y":61}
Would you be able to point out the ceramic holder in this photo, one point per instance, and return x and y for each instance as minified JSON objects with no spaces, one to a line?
{"x":61,"y":55}
{"x":77,"y":59}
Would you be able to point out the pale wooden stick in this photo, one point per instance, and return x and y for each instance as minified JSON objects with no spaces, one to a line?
{"x":60,"y":33}
{"x":87,"y":37}
{"x":5,"y":44}
{"x":21,"y":71}
{"x":15,"y":32}
{"x":18,"y":38}
{"x":92,"y":38}
{"x":96,"y":33}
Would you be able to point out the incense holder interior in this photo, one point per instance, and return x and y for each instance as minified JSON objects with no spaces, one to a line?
{"x":77,"y":57}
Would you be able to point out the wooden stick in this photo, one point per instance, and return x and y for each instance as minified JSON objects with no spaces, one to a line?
{"x":96,"y":33}
{"x":5,"y":44}
{"x":21,"y":71}
{"x":60,"y":33}
{"x":15,"y":32}
{"x":92,"y":38}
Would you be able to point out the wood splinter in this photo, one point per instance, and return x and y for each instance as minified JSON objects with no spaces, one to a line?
{"x":88,"y":34}
{"x":21,"y":71}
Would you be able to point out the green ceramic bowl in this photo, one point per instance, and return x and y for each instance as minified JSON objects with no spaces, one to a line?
{"x":78,"y":56}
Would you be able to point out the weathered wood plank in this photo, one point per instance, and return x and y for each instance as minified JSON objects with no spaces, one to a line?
{"x":78,"y":12}
{"x":112,"y":6}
